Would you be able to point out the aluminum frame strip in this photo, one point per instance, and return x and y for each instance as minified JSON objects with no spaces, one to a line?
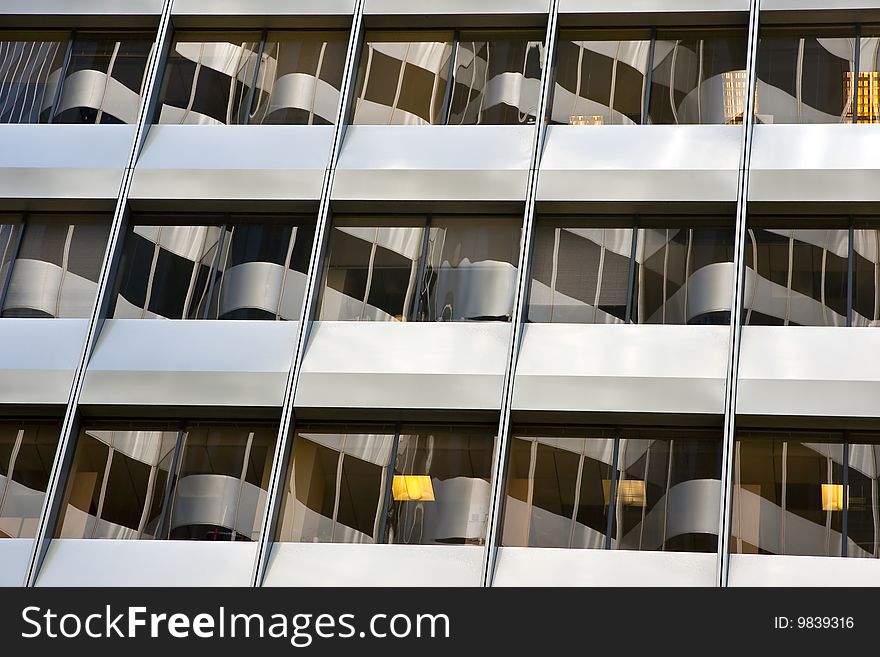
{"x":69,"y":427}
{"x":729,"y":437}
{"x":284,"y":442}
{"x":502,"y":443}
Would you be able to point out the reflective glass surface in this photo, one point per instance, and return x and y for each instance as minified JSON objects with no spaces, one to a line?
{"x":299,"y":78}
{"x":682,"y":275}
{"x":796,"y":277}
{"x":127,"y":483}
{"x":633,"y":489}
{"x":29,"y":68}
{"x":425,"y":269}
{"x":208,"y":78}
{"x":497,"y":79}
{"x":104,"y":79}
{"x":866,"y":277}
{"x":404,"y":78}
{"x":599,"y":82}
{"x":418,"y":485}
{"x":580,"y":273}
{"x":788,"y":493}
{"x":253,"y":267}
{"x":27,"y":450}
{"x":805,"y":78}
{"x":698,"y":77}
{"x":56,"y":265}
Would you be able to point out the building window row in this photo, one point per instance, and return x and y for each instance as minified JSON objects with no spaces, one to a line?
{"x":812,"y":74}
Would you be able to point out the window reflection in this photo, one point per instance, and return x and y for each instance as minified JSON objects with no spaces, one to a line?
{"x":428,"y":269}
{"x":805,"y":78}
{"x":299,"y":78}
{"x":661,"y":489}
{"x":599,"y":82}
{"x":413,"y":485}
{"x":699,"y":77}
{"x":580,"y":273}
{"x":787,"y":494}
{"x":131,"y":484}
{"x":27,"y":450}
{"x":102,"y":82}
{"x":683,"y":275}
{"x":796,"y":277}
{"x":51,"y":264}
{"x":404,"y":78}
{"x":583,"y":270}
{"x":241,"y":267}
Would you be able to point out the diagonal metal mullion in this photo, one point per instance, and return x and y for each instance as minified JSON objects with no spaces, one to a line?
{"x":503,"y":439}
{"x":309,"y":305}
{"x":54,"y":497}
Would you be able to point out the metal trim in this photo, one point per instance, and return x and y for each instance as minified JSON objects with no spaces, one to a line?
{"x":502,"y":442}
{"x":69,"y":428}
{"x":310,"y":298}
{"x":722,"y":568}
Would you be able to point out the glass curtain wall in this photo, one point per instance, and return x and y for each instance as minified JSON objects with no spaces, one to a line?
{"x":825,"y":275}
{"x":607,"y":77}
{"x":806,"y":76}
{"x":215,"y":78}
{"x":214,"y":267}
{"x":409,"y":484}
{"x":806,"y":493}
{"x":452,"y":77}
{"x":72,"y":77}
{"x":27,"y":451}
{"x":51,"y":263}
{"x":417,"y":268}
{"x":198,"y":481}
{"x":624,"y":489}
{"x":611,"y":270}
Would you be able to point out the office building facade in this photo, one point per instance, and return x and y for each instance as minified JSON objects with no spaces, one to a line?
{"x":385,"y":292}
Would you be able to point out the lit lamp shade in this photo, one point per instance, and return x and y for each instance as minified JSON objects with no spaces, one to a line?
{"x":630,"y":492}
{"x":832,"y":497}
{"x":412,"y":488}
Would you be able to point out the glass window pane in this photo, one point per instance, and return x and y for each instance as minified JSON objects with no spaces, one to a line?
{"x":27,"y":451}
{"x":335,"y":490}
{"x":579,"y":274}
{"x":683,"y":274}
{"x":556,"y":491}
{"x":371,"y":272}
{"x":430,"y":485}
{"x":804,"y":78}
{"x":788,"y":494}
{"x":116,"y":487}
{"x":299,"y":78}
{"x":667,"y":490}
{"x":104,"y":80}
{"x":471,"y":269}
{"x":214,"y":498}
{"x":866,"y":273}
{"x":29,"y":71}
{"x":441,"y":487}
{"x":599,"y":82}
{"x":208,"y":78}
{"x":55,"y":273}
{"x":176,"y":271}
{"x":799,"y":279}
{"x":863,"y":529}
{"x":497,"y":79}
{"x":699,"y":78}
{"x":402,"y":78}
